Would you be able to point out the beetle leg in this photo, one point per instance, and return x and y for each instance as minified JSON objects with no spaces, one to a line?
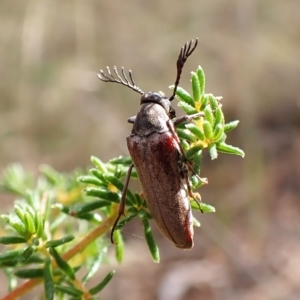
{"x":184,"y":172}
{"x":131,"y":120}
{"x":172,"y":130}
{"x":121,"y":211}
{"x":187,"y":118}
{"x":183,"y":156}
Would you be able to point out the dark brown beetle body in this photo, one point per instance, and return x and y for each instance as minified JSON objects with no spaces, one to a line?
{"x":156,"y":154}
{"x":159,"y":159}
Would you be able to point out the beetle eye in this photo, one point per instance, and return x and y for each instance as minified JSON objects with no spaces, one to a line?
{"x":172,"y":113}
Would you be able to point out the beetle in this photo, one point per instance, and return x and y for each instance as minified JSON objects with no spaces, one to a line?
{"x":158,"y":157}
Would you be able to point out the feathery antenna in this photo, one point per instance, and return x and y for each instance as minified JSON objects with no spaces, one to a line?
{"x":185,"y":52}
{"x":109,"y":77}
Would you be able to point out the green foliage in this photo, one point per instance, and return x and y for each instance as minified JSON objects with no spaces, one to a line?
{"x":150,"y":240}
{"x":39,"y":233}
{"x":207,"y":131}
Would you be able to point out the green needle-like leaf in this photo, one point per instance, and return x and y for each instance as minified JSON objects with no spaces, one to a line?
{"x":39,"y":225}
{"x":195,"y":87}
{"x":196,"y":223}
{"x":206,"y":208}
{"x":189,"y":109}
{"x":88,"y":179}
{"x":20,"y":212}
{"x":186,"y":135}
{"x":193,"y":151}
{"x":99,"y":164}
{"x":9,"y":240}
{"x":29,"y":223}
{"x":196,"y":131}
{"x":218,"y":132}
{"x":86,"y":207}
{"x":150,"y":240}
{"x":213,"y":101}
{"x":204,"y":101}
{"x":219,"y":117}
{"x":126,"y":161}
{"x":183,"y":95}
{"x":25,"y":255}
{"x":95,"y":265}
{"x":56,"y":243}
{"x":30,"y":273}
{"x":213,"y":151}
{"x":208,"y":131}
{"x":230,"y":126}
{"x":62,"y":264}
{"x":209,"y":115}
{"x":119,"y":248}
{"x":10,"y":255}
{"x":98,"y":288}
{"x":48,"y":281}
{"x":201,"y":79}
{"x":102,"y":193}
{"x":72,"y":291}
{"x":224,"y":148}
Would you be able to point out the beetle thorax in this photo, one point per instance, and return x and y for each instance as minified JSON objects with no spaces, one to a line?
{"x":153,"y":116}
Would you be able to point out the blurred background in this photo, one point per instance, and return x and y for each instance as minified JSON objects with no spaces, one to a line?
{"x":54,"y":110}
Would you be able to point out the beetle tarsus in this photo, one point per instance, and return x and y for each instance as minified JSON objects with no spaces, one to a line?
{"x":113,"y":228}
{"x":187,"y":118}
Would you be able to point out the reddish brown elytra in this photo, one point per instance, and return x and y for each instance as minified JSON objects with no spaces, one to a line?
{"x":159,"y":159}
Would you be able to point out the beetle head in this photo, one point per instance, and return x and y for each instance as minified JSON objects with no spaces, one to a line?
{"x":163,"y":101}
